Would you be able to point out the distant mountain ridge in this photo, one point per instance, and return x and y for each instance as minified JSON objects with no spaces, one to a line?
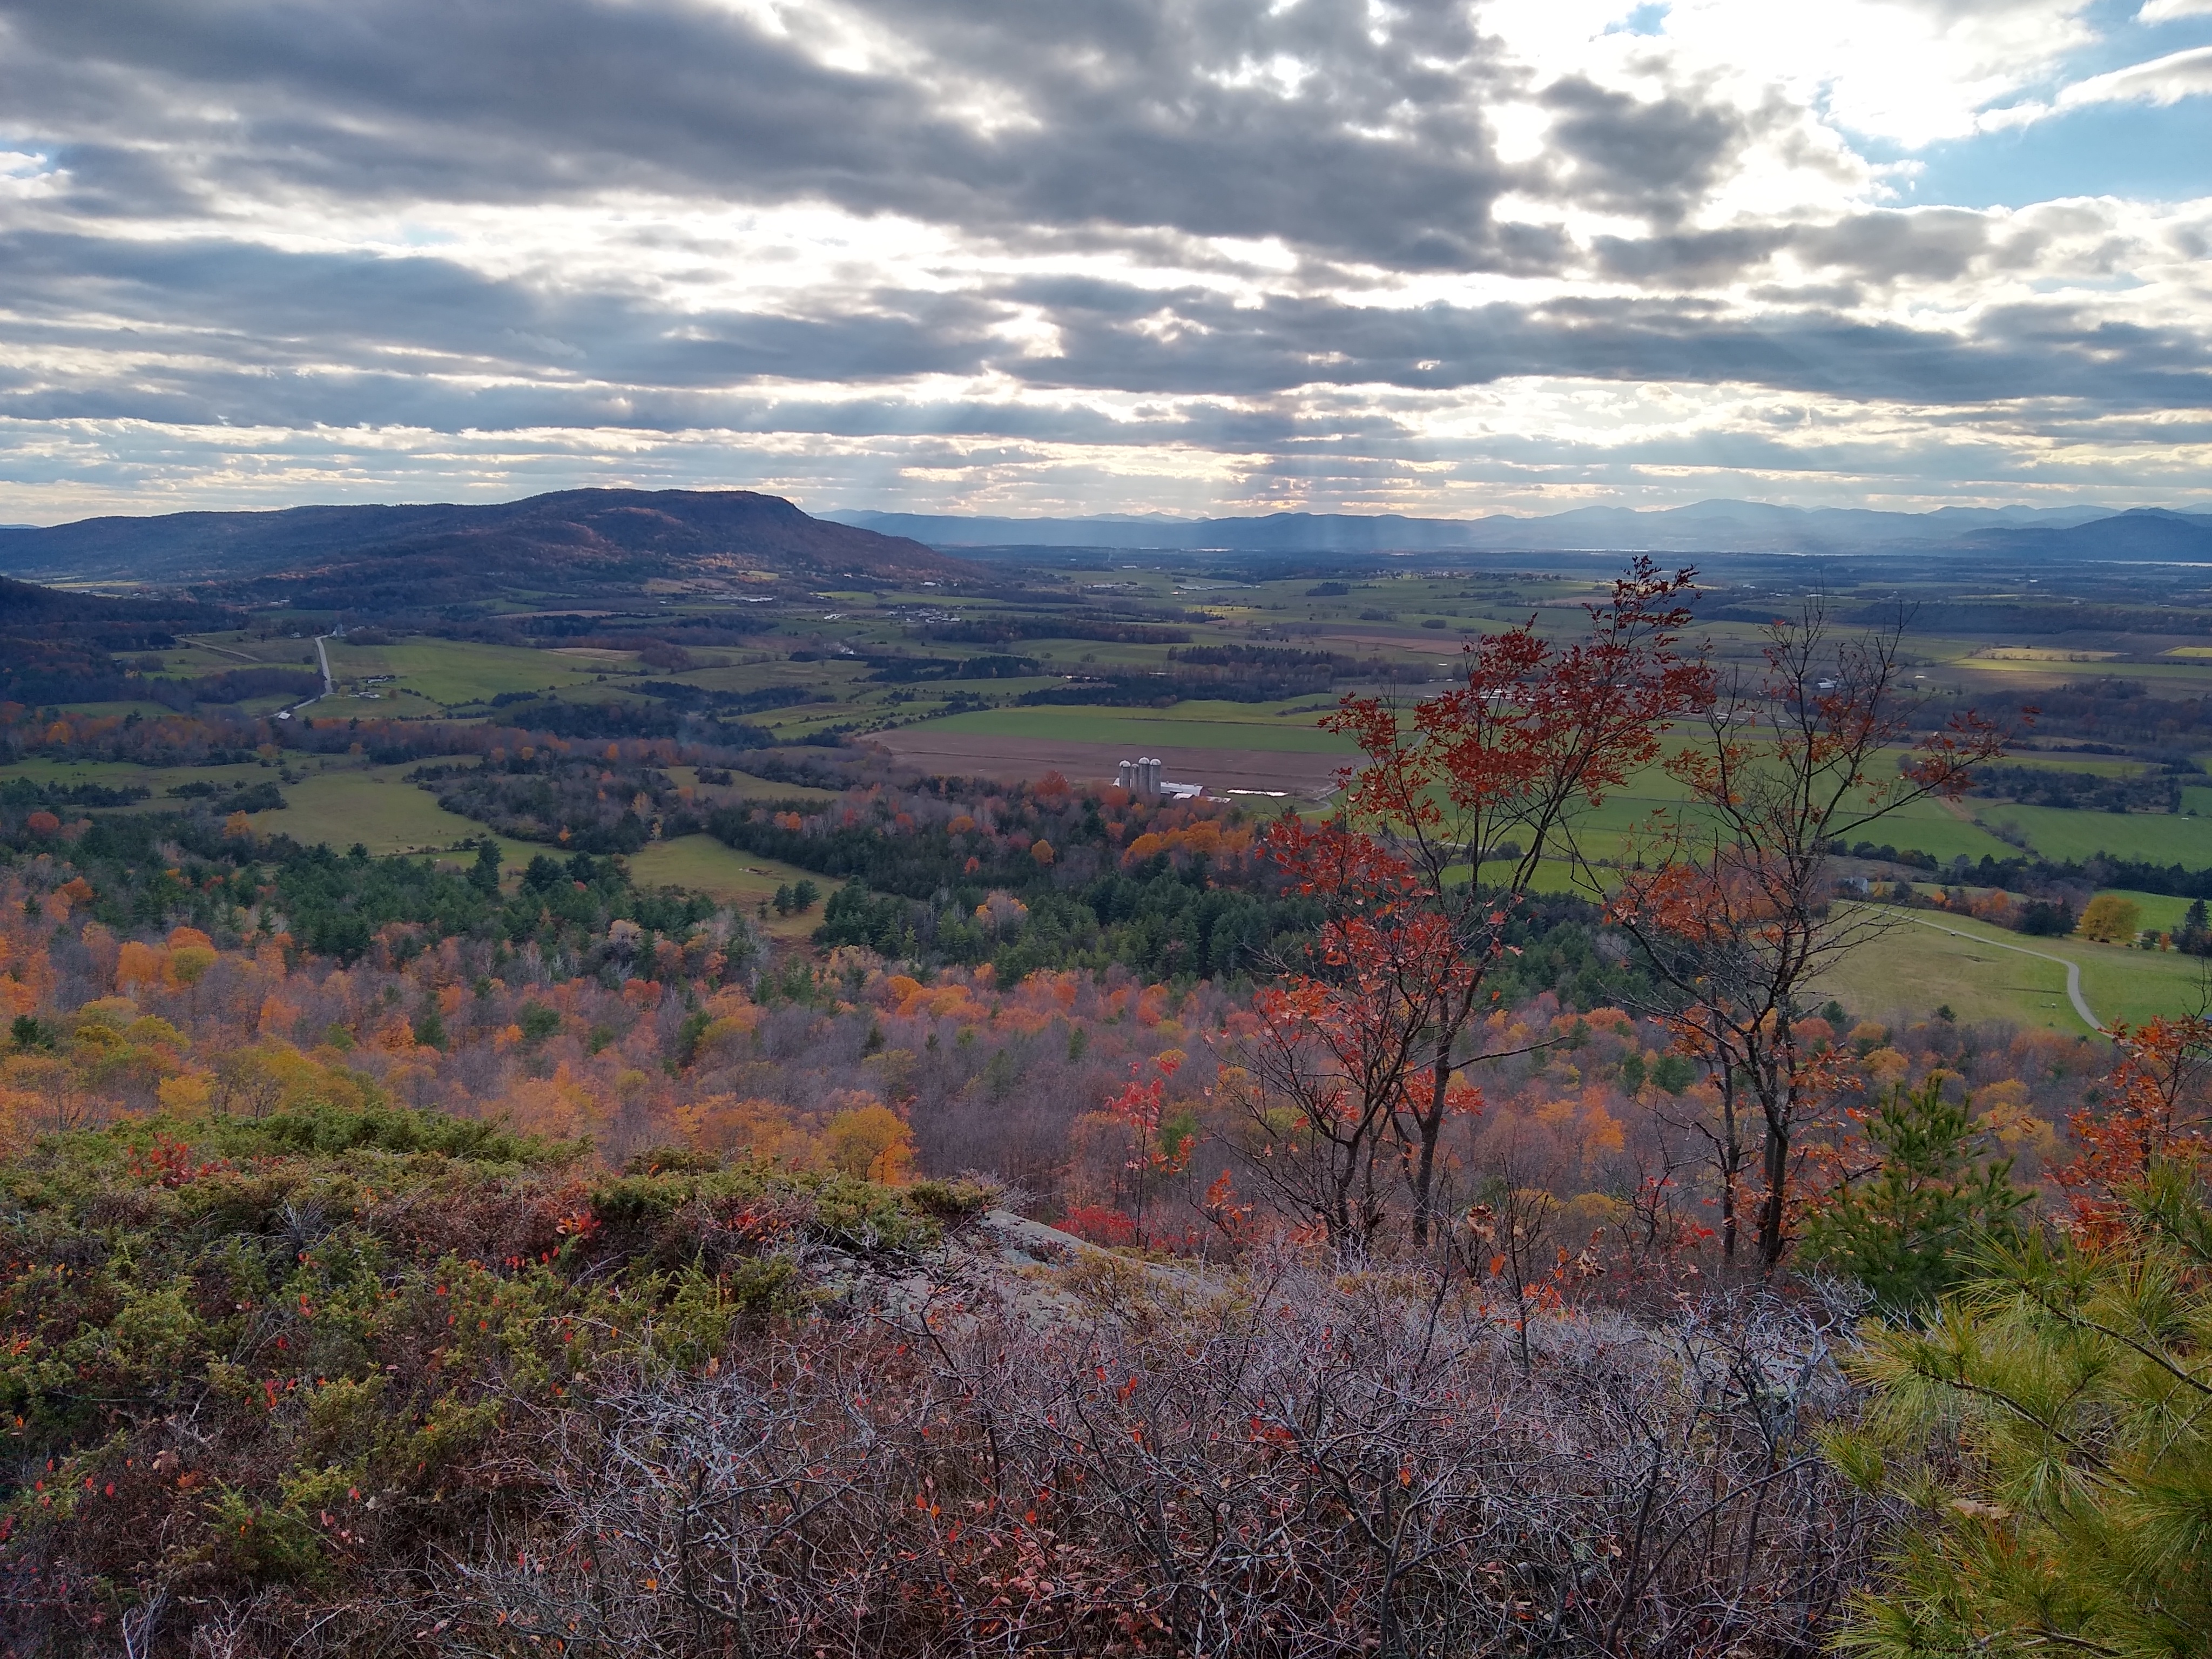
{"x":1713,"y":526}
{"x":576,"y":542}
{"x":443,"y":552}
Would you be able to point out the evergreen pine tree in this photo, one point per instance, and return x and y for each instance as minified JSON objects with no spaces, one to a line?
{"x":1905,"y":1230}
{"x":2047,"y":1441}
{"x":485,"y":877}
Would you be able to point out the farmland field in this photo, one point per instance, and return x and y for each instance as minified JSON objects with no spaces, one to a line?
{"x":2160,"y":910}
{"x":117,"y":775}
{"x":743,"y":786}
{"x":1241,"y":747}
{"x":449,"y":671}
{"x":1295,"y":775}
{"x":1187,"y":725}
{"x":2058,"y":832}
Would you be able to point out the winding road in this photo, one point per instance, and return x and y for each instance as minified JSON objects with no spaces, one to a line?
{"x":330,"y":686}
{"x":2073,"y":969}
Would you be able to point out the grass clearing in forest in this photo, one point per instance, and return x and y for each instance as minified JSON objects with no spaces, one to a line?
{"x":743,"y":786}
{"x":375,"y":806}
{"x":119,"y":775}
{"x":705,"y":866}
{"x":1932,"y":960}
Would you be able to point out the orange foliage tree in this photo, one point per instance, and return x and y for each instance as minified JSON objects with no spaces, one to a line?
{"x":2156,"y":1106}
{"x":1731,"y":898}
{"x":1338,"y":1061}
{"x":1470,"y":792}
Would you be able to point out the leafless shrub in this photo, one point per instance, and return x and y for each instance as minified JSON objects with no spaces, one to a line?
{"x":1304,"y":1463}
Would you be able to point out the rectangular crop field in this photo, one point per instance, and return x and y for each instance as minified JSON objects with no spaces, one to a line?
{"x":2058,"y":832}
{"x":1190,"y":725}
{"x":449,"y":671}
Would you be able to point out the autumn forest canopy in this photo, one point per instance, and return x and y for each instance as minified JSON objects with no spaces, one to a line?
{"x":576,"y":1130}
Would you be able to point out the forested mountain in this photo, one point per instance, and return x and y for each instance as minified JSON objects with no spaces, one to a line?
{"x":55,"y":646}
{"x":357,"y":553}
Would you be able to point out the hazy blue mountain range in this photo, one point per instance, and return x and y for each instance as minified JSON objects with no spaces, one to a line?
{"x":1714,"y":527}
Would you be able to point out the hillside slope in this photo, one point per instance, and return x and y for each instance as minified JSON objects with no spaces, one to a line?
{"x":54,"y":645}
{"x":377,"y":556}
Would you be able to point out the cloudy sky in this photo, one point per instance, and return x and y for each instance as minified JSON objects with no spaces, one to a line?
{"x":1436,"y":256}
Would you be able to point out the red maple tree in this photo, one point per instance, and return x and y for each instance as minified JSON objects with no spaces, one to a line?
{"x":1458,"y":803}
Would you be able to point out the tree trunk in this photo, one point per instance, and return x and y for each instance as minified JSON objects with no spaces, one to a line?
{"x":1430,"y":1122}
{"x":1731,"y":1164}
{"x":1771,"y":1208}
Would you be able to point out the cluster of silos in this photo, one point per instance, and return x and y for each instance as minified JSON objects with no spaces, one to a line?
{"x":1140,"y":777}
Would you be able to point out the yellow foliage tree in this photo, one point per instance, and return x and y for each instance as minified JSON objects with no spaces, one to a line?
{"x":758,"y":1130}
{"x":869,"y":1142}
{"x":2110,"y":920}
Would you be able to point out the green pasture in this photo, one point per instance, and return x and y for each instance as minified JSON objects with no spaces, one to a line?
{"x":2059,"y":833}
{"x":208,"y":653}
{"x":336,"y":803}
{"x":374,"y":806}
{"x":122,"y":708}
{"x":2102,"y":766}
{"x":1186,"y":725}
{"x":1946,"y":830}
{"x":1913,"y":969}
{"x":706,"y":865}
{"x":449,"y":671}
{"x":2160,"y":910}
{"x":1069,"y":656}
{"x":743,"y":786}
{"x":755,"y":675}
{"x":391,"y":702}
{"x":1916,"y":967}
{"x":1005,"y":690}
{"x":117,"y":774}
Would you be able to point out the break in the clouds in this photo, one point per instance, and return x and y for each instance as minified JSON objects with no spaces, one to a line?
{"x":1203,"y":255}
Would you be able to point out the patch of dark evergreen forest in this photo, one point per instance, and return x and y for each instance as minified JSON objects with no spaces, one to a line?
{"x":2083,"y":791}
{"x":1223,"y":673}
{"x":2109,"y":716}
{"x":156,"y":871}
{"x":589,"y":805}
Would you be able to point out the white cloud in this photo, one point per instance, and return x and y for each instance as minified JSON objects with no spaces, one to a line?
{"x":2169,"y":11}
{"x":2162,"y":80}
{"x":1908,"y":71}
